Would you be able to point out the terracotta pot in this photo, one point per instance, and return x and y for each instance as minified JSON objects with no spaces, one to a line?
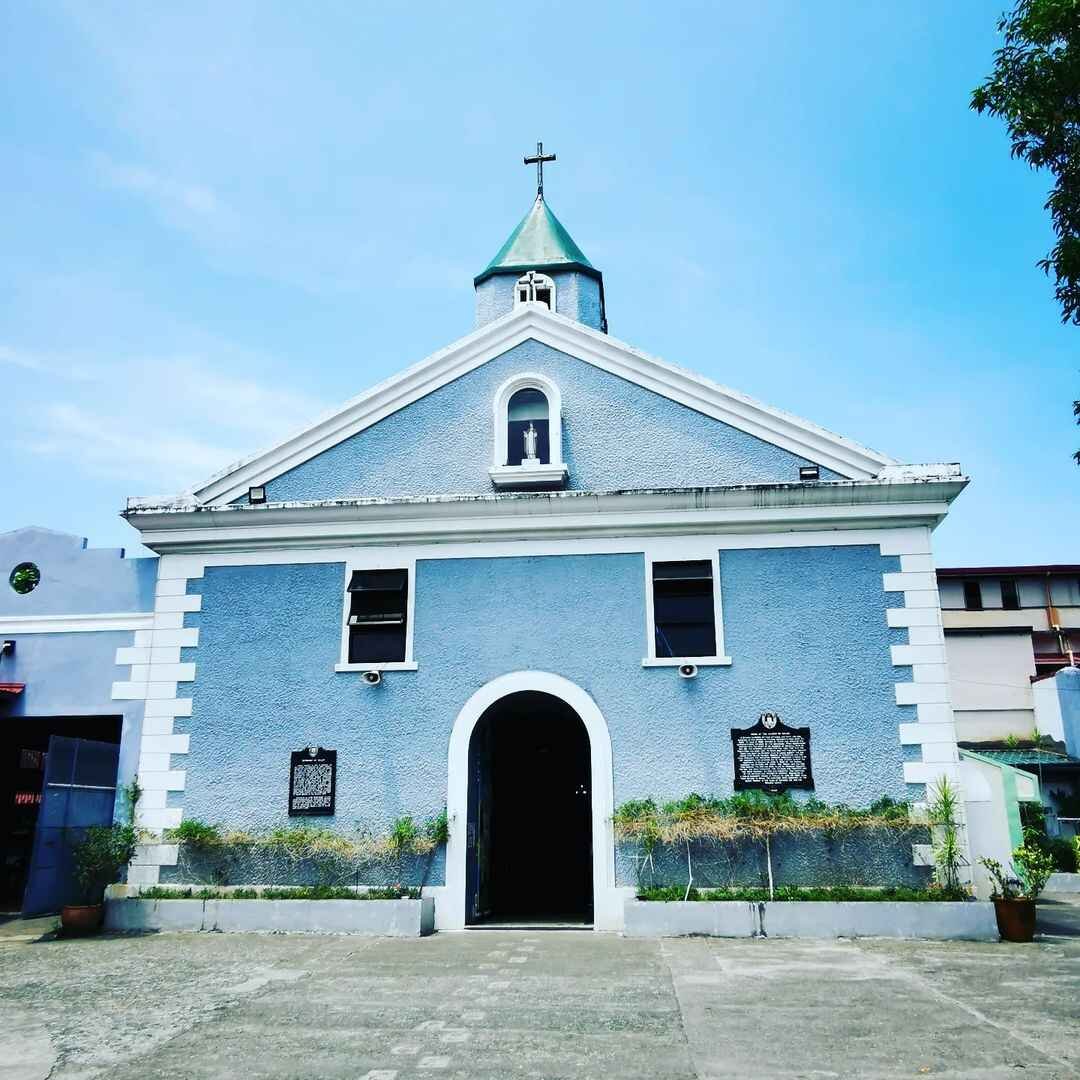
{"x":1015,"y":919}
{"x":80,"y":919}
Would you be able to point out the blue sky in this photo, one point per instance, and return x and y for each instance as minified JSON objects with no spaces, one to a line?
{"x":221,"y":219}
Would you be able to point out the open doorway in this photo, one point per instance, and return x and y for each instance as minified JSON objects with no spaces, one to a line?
{"x":25,"y":742}
{"x":529,"y":844}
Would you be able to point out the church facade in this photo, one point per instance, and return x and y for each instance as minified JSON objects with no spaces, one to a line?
{"x":536,"y":575}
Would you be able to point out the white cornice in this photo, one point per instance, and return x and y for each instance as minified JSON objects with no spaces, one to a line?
{"x":782,"y":429}
{"x":75,"y":624}
{"x":551,"y":515}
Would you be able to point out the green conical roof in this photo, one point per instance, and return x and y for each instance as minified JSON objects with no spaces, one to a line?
{"x":538,"y":243}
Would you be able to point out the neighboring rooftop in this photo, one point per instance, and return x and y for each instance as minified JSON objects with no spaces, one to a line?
{"x":1008,"y":571}
{"x":1021,"y":755}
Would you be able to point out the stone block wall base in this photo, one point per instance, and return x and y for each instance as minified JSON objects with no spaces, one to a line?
{"x":930,"y":920}
{"x":381,"y":918}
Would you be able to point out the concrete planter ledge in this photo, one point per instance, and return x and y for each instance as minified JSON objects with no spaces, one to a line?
{"x":931,"y":920}
{"x":1069,"y":883}
{"x":379,"y":918}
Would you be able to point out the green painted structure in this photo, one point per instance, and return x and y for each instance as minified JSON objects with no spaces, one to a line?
{"x":540,"y":242}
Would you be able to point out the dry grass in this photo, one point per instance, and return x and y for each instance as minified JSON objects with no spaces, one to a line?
{"x":697,"y":817}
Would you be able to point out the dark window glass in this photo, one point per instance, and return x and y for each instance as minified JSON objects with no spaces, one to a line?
{"x":1010,"y":598}
{"x":378,"y":607}
{"x":527,"y":407}
{"x":543,"y":295}
{"x":972,"y":596}
{"x":683,"y":611}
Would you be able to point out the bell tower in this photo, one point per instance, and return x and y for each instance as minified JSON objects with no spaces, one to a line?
{"x":540,"y":263}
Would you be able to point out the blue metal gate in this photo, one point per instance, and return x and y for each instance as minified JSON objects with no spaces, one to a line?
{"x":80,"y":790}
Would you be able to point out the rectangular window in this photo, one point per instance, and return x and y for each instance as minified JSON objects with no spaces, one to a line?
{"x":1010,"y":598}
{"x":378,"y":616}
{"x":684,"y":613}
{"x":973,"y":596}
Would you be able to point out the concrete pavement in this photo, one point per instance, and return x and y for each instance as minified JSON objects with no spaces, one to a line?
{"x":539,"y":1004}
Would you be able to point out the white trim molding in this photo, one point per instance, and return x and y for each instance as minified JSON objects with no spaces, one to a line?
{"x":528,"y":283}
{"x":379,"y":560}
{"x":76,"y":624}
{"x":535,"y":322}
{"x":549,"y":515}
{"x":551,"y":473}
{"x":607,"y":899}
{"x":682,"y":552}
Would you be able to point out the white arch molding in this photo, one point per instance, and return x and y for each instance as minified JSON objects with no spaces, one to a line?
{"x":522,"y":476}
{"x":607,"y":899}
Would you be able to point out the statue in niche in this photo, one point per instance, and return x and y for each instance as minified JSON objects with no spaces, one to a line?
{"x":531,"y":439}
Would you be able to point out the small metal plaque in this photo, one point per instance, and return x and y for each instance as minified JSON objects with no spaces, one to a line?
{"x":770,"y":756}
{"x":312,"y":782}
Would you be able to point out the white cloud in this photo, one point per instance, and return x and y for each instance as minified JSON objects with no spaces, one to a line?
{"x":43,"y":363}
{"x":161,"y":424}
{"x":19,"y":359}
{"x":167,"y":193}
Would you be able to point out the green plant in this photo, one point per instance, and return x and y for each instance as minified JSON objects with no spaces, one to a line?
{"x":164,"y":892}
{"x":1060,"y":850}
{"x":131,"y":794}
{"x":1030,"y":870}
{"x":196,"y":833}
{"x":943,"y":813}
{"x":1033,"y":88}
{"x":1003,"y":885}
{"x":1034,"y":867}
{"x":746,"y":814}
{"x":794,"y":892}
{"x":437,"y":828}
{"x":1012,"y":742}
{"x":403,"y":835}
{"x":98,"y":857}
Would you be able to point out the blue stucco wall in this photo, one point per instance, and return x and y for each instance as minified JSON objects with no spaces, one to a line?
{"x":615,"y":435}
{"x":75,"y":579}
{"x":577,"y":296}
{"x":805,"y":628}
{"x":71,"y":674}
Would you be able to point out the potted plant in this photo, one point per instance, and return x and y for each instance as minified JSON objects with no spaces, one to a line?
{"x":99,"y":855}
{"x":1014,"y":894}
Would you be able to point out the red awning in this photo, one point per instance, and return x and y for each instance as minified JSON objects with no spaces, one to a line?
{"x":12,"y":688}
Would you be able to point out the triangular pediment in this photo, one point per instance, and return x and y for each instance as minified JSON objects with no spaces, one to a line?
{"x":534,"y":322}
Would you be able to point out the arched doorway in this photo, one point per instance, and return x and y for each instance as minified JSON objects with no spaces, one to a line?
{"x":529,"y":820}
{"x":451,"y":907}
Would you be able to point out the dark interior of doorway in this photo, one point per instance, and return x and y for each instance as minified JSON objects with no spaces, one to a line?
{"x":24,"y":744}
{"x":530,"y":814}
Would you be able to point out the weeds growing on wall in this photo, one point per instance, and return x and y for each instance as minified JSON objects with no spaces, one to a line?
{"x":750,"y":816}
{"x":747,"y":815}
{"x":406,"y":837}
{"x":335,"y":860}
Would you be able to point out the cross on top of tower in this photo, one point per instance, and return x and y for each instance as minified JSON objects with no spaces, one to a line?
{"x":538,"y":160}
